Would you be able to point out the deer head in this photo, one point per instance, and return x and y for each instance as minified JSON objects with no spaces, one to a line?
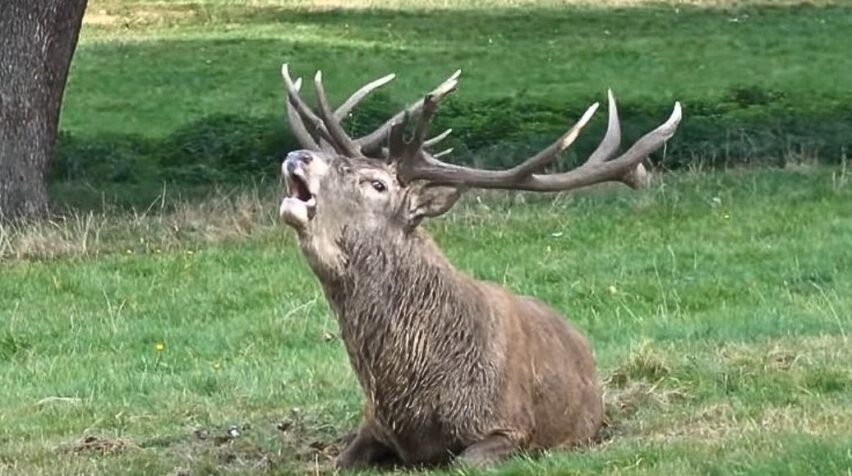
{"x":383,"y":185}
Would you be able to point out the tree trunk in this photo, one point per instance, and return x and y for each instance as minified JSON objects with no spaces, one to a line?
{"x":37,"y":41}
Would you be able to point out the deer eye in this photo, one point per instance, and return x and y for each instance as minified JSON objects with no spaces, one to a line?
{"x":378,"y":185}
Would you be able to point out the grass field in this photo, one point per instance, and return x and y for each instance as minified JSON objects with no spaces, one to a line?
{"x":717,"y":304}
{"x":142,"y":332}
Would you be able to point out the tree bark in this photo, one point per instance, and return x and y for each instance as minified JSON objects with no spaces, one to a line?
{"x":37,"y":41}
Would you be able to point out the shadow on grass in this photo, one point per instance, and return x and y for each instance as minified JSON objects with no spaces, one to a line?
{"x":228,"y":149}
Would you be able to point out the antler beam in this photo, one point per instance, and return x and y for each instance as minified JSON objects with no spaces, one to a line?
{"x":627,"y":168}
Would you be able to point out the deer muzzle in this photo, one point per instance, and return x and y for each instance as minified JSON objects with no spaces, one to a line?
{"x":299,"y":204}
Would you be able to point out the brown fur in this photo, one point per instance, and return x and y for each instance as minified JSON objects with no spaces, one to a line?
{"x":449,"y":366}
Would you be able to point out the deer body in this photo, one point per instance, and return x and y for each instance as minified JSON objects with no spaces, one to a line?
{"x":449,"y":367}
{"x":445,"y":361}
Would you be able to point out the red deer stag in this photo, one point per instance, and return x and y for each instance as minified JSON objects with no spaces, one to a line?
{"x":450,"y":367}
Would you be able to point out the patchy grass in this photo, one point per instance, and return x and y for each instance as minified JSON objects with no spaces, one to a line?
{"x":192,"y":339}
{"x":166,"y":224}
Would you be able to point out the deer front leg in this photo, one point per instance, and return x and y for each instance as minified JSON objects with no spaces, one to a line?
{"x":491,"y":449}
{"x":363,"y":451}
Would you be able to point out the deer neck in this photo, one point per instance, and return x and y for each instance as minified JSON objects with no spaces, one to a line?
{"x":392,"y":281}
{"x":398,"y":302}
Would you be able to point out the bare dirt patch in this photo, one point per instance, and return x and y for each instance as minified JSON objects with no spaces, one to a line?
{"x":101,"y":445}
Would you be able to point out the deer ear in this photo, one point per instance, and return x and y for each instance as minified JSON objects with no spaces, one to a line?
{"x":430,"y":201}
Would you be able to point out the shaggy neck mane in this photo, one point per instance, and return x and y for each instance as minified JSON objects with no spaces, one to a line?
{"x":403,"y":310}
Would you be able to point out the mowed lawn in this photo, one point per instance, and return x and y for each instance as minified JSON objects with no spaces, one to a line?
{"x":187,"y":337}
{"x":718,"y":305}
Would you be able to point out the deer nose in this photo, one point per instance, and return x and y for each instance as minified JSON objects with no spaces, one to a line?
{"x":296,"y":158}
{"x":302,"y":156}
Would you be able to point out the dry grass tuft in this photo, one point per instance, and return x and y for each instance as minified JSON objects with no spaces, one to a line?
{"x":77,"y":234}
{"x":161,"y":227}
{"x":653,"y":397}
{"x":644,"y":363}
{"x":635,"y":384}
{"x":719,"y":421}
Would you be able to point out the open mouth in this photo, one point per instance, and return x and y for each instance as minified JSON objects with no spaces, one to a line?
{"x":298,"y":190}
{"x":299,"y":205}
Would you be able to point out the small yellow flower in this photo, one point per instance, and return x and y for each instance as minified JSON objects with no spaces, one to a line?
{"x":216,"y":366}
{"x":159,"y":347}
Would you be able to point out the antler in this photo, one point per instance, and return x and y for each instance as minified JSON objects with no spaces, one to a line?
{"x":344,"y":110}
{"x":371,"y":143}
{"x":413,"y":163}
{"x":309,"y":129}
{"x":321,"y":130}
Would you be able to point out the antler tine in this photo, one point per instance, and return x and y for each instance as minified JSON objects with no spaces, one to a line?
{"x":372,"y":142}
{"x":302,"y":108}
{"x":636,"y":176}
{"x":359,"y":95}
{"x":612,"y":138}
{"x":442,"y":153}
{"x":538,"y":161}
{"x":304,"y":137}
{"x":341,"y":140}
{"x":400,"y":151}
{"x":438,"y":138}
{"x":422,"y":126}
{"x":625,"y":168}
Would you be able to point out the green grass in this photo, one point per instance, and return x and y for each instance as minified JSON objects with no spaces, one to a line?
{"x":191,"y":91}
{"x":717,"y":304}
